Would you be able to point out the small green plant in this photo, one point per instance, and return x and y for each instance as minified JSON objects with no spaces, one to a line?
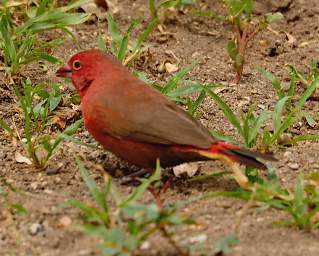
{"x":179,"y":89}
{"x":155,"y":6}
{"x":301,"y":205}
{"x":37,"y":104}
{"x":223,"y":245}
{"x":285,"y":114}
{"x":296,"y":77}
{"x":123,"y":47}
{"x":249,"y":127}
{"x":5,"y":201}
{"x":20,"y":41}
{"x":125,"y":228}
{"x":244,"y":27}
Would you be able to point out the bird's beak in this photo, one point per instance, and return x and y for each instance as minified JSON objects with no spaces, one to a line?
{"x":65,"y":72}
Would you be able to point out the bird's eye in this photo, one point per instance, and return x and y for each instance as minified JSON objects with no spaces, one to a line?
{"x":77,"y":65}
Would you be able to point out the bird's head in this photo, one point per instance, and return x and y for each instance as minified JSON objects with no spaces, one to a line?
{"x":83,"y":68}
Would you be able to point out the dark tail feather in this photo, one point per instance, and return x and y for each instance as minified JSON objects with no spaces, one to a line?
{"x":241,"y":155}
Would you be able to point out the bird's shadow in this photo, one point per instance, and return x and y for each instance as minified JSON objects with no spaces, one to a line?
{"x":121,"y":170}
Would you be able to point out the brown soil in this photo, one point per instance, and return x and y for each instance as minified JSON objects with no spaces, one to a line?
{"x":192,"y":38}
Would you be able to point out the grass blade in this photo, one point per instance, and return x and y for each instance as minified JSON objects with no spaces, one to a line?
{"x":6,"y":127}
{"x":70,"y":130}
{"x":276,"y":115}
{"x":194,"y":106}
{"x":291,"y":117}
{"x":223,"y":137}
{"x":173,"y":82}
{"x":226,"y":109}
{"x":101,"y":43}
{"x":139,"y":191}
{"x":9,"y":49}
{"x":305,"y":96}
{"x":256,"y":126}
{"x":274,"y":81}
{"x":142,"y":37}
{"x":98,"y":196}
{"x":299,"y":207}
{"x":306,"y":137}
{"x":124,"y":43}
{"x":114,"y":33}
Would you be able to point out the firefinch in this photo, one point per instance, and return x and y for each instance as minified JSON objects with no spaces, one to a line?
{"x":139,"y":124}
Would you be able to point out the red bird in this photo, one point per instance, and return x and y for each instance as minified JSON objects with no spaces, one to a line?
{"x":136,"y":122}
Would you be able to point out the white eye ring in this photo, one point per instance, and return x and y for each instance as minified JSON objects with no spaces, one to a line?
{"x":77,"y":65}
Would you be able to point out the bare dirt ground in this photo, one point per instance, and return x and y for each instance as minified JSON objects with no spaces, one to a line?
{"x":192,"y":38}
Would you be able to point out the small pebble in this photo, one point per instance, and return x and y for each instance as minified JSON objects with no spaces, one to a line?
{"x":287,"y":154}
{"x":217,"y":228}
{"x":65,"y":221}
{"x":284,"y":138}
{"x":145,"y":245}
{"x":51,"y":171}
{"x":198,"y":239}
{"x":311,"y":161}
{"x":35,"y":228}
{"x":293,"y":166}
{"x":287,"y":157}
{"x":261,"y":106}
{"x":84,"y":252}
{"x":34,"y":185}
{"x":48,"y":191}
{"x":57,"y":180}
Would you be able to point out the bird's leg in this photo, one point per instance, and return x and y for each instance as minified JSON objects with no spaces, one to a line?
{"x":167,"y":184}
{"x":158,"y":192}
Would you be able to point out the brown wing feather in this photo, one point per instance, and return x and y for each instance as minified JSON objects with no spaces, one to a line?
{"x":133,"y":110}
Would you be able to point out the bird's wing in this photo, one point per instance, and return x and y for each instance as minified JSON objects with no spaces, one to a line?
{"x":139,"y":112}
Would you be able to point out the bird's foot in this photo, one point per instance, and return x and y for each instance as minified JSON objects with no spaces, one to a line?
{"x":135,"y":175}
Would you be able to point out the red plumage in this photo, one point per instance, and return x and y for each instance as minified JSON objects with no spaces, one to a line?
{"x":139,"y":124}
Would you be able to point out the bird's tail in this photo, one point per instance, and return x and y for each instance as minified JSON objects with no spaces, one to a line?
{"x":221,"y":150}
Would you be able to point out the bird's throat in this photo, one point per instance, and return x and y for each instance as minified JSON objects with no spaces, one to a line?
{"x":86,"y":83}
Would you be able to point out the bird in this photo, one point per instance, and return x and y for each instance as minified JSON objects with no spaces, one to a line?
{"x":136,"y":122}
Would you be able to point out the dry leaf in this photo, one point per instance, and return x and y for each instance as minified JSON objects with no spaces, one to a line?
{"x":303,"y":44}
{"x":170,"y":68}
{"x":14,"y":4}
{"x":94,"y":9}
{"x":291,"y":40}
{"x":161,"y":67}
{"x":99,"y":8}
{"x":61,"y":123}
{"x":189,"y":168}
{"x":22,"y":159}
{"x":113,"y":6}
{"x":219,"y":90}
